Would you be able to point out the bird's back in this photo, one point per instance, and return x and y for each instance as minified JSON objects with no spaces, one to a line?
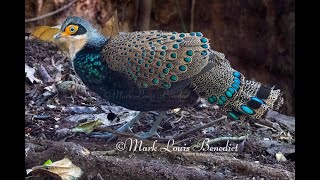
{"x":156,"y":58}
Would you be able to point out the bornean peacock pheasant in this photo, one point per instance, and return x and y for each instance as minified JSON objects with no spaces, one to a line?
{"x":158,"y":70}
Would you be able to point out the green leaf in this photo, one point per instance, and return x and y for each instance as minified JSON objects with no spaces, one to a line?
{"x":87,"y":127}
{"x":47,"y":162}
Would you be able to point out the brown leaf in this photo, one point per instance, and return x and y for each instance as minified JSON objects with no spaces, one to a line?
{"x":63,"y":169}
{"x":45,"y":33}
{"x":111,"y":29}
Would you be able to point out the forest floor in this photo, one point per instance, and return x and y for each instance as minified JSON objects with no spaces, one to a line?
{"x":56,"y":102}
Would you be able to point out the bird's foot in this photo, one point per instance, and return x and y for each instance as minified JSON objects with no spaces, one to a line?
{"x":154,"y":128}
{"x":113,"y":137}
{"x":110,"y":136}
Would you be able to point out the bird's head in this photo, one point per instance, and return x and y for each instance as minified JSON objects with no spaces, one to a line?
{"x":76,"y":34}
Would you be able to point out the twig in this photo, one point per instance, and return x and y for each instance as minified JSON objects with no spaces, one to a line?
{"x":199,"y":128}
{"x":105,"y":129}
{"x":264,"y":126}
{"x":79,"y":109}
{"x":109,"y":130}
{"x":51,"y":13}
{"x":184,"y":140}
{"x":41,"y":117}
{"x":182,"y":116}
{"x":67,"y":137}
{"x":216,"y":140}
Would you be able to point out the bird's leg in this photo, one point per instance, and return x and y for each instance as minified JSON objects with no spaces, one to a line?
{"x":121,"y":129}
{"x":131,"y":122}
{"x":154,"y":128}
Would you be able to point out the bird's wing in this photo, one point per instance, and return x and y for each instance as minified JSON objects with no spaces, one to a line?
{"x":157,"y":58}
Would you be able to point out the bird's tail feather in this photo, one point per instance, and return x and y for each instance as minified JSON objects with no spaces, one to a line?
{"x":239,"y":98}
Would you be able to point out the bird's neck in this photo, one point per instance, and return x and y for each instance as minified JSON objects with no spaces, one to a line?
{"x":89,"y":67}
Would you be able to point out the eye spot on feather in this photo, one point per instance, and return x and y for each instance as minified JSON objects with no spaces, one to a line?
{"x":182,"y":35}
{"x":175,"y":46}
{"x":165,"y":70}
{"x":189,"y":52}
{"x":166,"y":85}
{"x":187,"y":60}
{"x":169,"y":65}
{"x":173,"y":55}
{"x":174,"y":78}
{"x":164,"y":47}
{"x":183,"y":68}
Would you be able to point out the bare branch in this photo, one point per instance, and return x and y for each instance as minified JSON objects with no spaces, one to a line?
{"x":51,"y":13}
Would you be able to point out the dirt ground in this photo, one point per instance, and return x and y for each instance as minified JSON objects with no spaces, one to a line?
{"x":56,"y":101}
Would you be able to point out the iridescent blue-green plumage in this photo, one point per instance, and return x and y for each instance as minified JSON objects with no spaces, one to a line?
{"x":118,"y":89}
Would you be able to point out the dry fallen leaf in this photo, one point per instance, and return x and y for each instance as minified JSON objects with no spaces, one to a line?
{"x":280,"y":157}
{"x":111,"y":29}
{"x":45,"y":33}
{"x":87,"y":127}
{"x":30,"y":74}
{"x":176,"y":110}
{"x":63,"y":169}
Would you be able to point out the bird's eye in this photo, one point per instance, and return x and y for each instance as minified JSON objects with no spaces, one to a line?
{"x":71,"y":29}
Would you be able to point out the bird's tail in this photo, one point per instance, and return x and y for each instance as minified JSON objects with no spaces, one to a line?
{"x":239,"y":98}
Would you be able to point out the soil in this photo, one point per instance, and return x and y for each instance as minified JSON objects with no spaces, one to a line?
{"x":46,"y":119}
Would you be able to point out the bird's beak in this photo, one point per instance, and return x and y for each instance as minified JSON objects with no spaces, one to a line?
{"x":56,"y":36}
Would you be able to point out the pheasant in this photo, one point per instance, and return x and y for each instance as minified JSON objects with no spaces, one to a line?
{"x":158,"y":70}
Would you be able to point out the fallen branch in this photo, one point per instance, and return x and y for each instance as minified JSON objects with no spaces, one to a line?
{"x":286,"y":121}
{"x":51,"y":13}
